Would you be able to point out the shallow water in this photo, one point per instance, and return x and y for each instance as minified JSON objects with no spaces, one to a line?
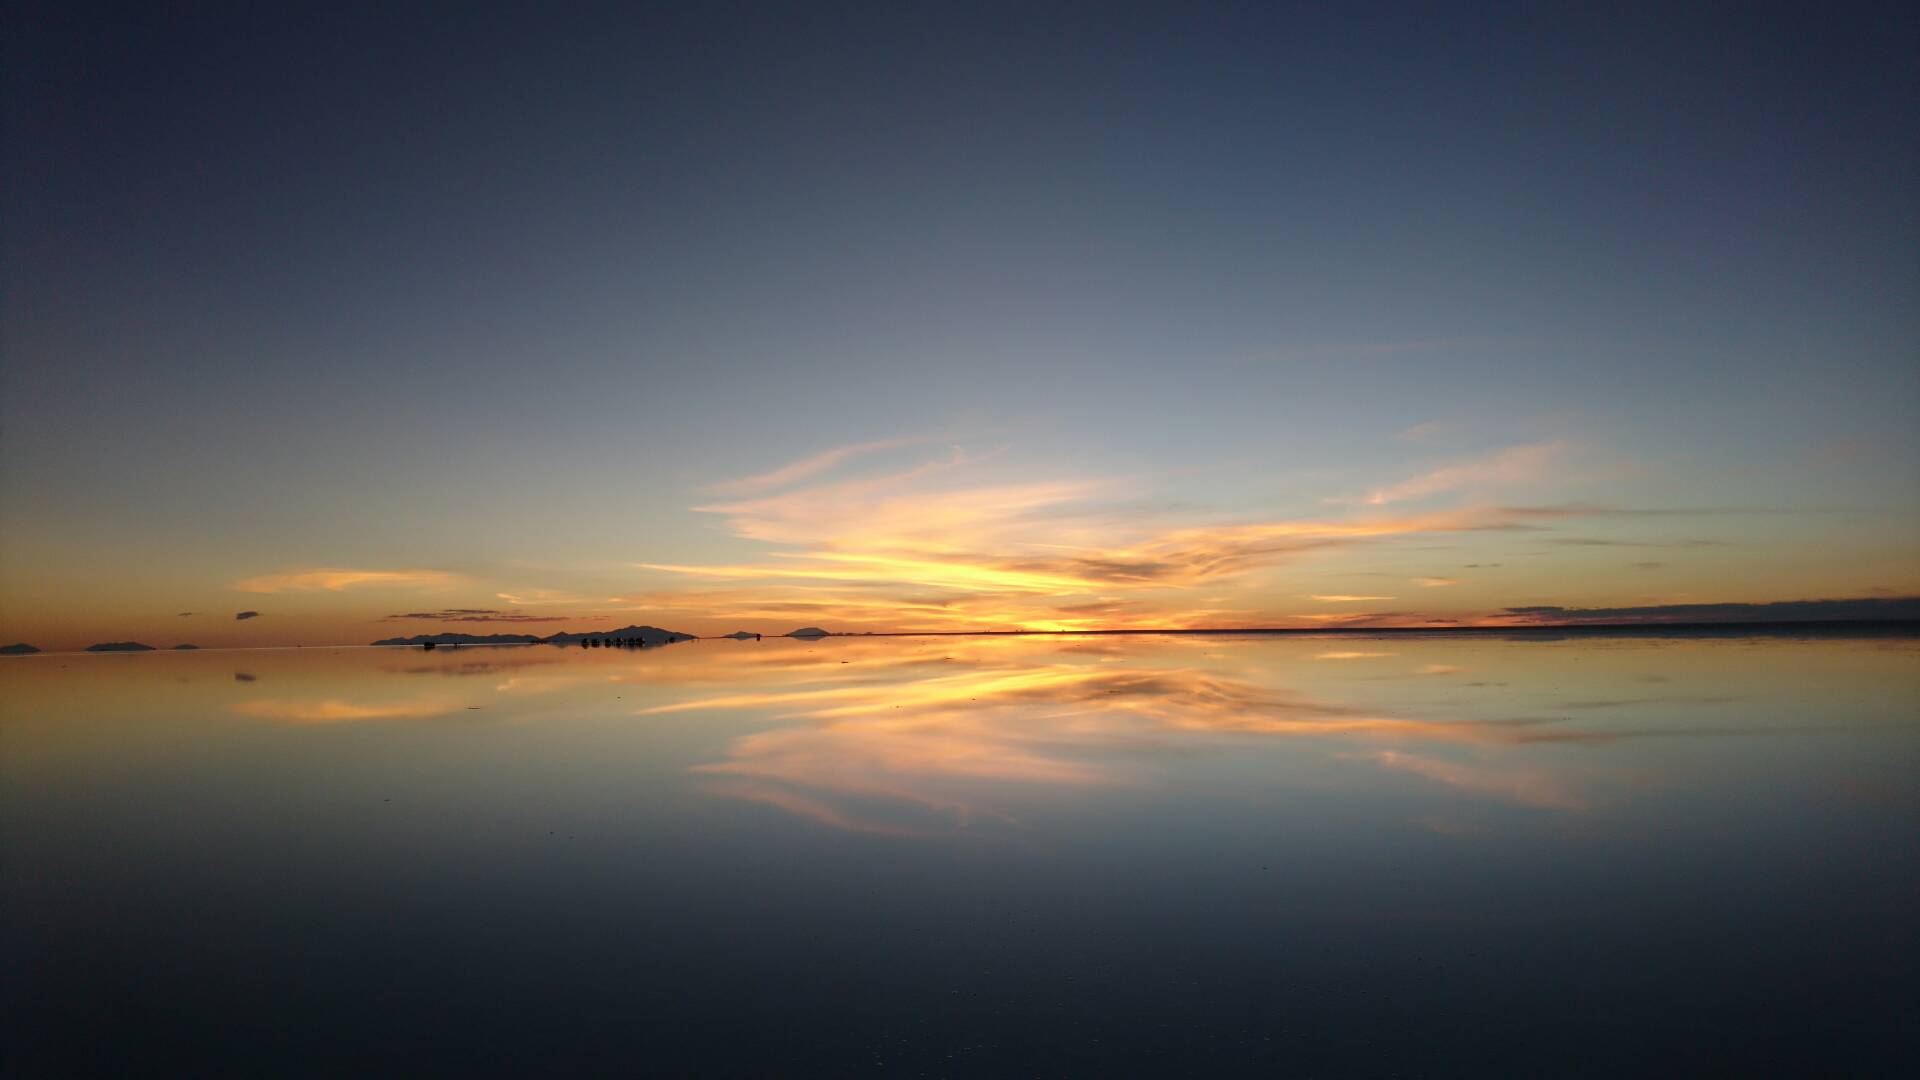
{"x":1048,"y":855}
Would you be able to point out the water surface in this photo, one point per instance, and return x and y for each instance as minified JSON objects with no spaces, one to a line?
{"x":961,"y":856}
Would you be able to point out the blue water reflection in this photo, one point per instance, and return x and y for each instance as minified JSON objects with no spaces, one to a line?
{"x":969,"y":856}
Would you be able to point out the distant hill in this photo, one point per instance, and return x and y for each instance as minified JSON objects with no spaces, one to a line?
{"x":645,"y":635}
{"x":741,"y":635}
{"x":119,"y":646}
{"x":462,"y":639}
{"x":809,"y":632}
{"x":18,"y":648}
{"x":179,"y":648}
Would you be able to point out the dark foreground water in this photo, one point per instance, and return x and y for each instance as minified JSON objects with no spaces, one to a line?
{"x":968,"y":856}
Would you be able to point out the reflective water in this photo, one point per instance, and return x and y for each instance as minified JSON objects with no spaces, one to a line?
{"x":1058,"y":855}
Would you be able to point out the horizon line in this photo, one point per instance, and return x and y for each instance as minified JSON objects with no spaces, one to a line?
{"x":1896,"y":625}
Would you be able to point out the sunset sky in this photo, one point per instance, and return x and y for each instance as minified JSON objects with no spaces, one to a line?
{"x":897,"y":317}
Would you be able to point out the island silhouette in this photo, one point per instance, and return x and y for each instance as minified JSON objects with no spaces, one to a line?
{"x":18,"y":648}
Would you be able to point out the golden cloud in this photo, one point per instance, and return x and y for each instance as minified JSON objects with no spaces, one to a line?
{"x":930,"y":546}
{"x":333,"y":579}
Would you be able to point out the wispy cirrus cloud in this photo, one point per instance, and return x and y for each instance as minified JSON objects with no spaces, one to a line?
{"x":334,"y":579}
{"x":1869,"y":608}
{"x":1589,"y":541}
{"x":1511,"y":466}
{"x":933,"y":544}
{"x":809,"y":467}
{"x":1430,"y":431}
{"x":486,"y":615}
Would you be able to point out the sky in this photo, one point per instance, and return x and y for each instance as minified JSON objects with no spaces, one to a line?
{"x":374,"y":320}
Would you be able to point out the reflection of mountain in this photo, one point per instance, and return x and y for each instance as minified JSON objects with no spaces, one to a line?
{"x":119,"y":646}
{"x":19,"y":648}
{"x":645,"y":635}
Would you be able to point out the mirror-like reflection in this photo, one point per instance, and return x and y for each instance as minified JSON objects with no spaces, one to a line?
{"x":969,"y":855}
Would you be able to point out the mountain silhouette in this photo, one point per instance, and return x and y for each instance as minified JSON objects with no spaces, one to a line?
{"x":809,"y":632}
{"x":119,"y":646}
{"x":644,"y":635}
{"x":18,"y":648}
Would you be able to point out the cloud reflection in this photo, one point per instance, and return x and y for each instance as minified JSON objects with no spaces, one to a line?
{"x":955,"y":739}
{"x":337,"y":711}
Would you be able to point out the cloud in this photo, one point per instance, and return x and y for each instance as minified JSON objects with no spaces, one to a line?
{"x":185,"y":614}
{"x":243,"y":616}
{"x":1583,"y":541}
{"x":330,"y":579}
{"x":1906,"y":607}
{"x":547,"y":597}
{"x":1430,"y":431}
{"x":1352,"y":619}
{"x":475,"y":615}
{"x":1514,"y":465}
{"x":933,"y":545}
{"x":1435,"y":582}
{"x":809,"y":467}
{"x":1586,"y":509}
{"x":1337,"y":599}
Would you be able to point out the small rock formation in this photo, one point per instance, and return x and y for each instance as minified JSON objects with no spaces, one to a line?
{"x":809,"y":632}
{"x":18,"y":648}
{"x":179,"y":648}
{"x":119,"y":646}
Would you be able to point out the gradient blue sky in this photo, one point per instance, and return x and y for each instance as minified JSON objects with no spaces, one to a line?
{"x":505,"y":295}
